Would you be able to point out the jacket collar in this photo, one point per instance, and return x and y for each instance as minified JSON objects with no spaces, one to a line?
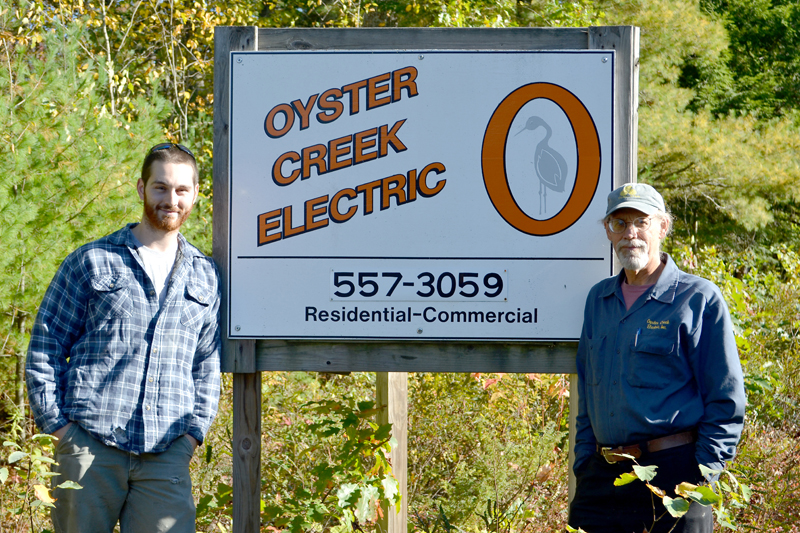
{"x":663,"y":290}
{"x":124,"y":237}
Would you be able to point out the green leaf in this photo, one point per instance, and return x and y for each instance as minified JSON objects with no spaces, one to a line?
{"x":367,"y":503}
{"x":203,"y":505}
{"x":723,"y":518}
{"x":366,"y":406}
{"x":224,"y":493}
{"x":347,"y":521}
{"x":625,"y":478}
{"x":10,"y":444}
{"x":733,"y":479}
{"x":16,"y":456}
{"x":746,"y":492}
{"x":676,"y":507}
{"x":3,"y":475}
{"x":383,"y":432}
{"x":704,"y":496}
{"x":645,"y":473}
{"x":706,"y":471}
{"x":69,"y":485}
{"x":391,"y":489}
{"x":344,"y":492}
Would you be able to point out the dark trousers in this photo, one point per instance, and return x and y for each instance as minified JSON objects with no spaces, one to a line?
{"x":600,"y":507}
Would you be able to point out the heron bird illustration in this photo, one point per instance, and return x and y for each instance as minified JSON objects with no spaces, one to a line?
{"x":550,"y":166}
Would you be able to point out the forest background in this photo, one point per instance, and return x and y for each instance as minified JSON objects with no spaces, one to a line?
{"x":87,"y":86}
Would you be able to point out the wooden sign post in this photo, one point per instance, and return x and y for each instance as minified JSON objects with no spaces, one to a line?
{"x":392,"y":393}
{"x":448,"y":296}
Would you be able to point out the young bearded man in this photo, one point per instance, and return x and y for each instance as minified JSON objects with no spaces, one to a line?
{"x":123,"y":364}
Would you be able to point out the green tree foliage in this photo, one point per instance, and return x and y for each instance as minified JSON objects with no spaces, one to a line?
{"x":146,"y":48}
{"x":759,"y":73}
{"x":147,"y":52}
{"x":428,"y":13}
{"x":486,"y":451}
{"x":762,"y":291}
{"x":325,"y":459}
{"x":727,"y":176}
{"x":68,"y":170}
{"x":472,"y":438}
{"x":28,"y":476}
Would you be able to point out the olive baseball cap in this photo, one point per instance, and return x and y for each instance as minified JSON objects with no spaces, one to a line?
{"x":639,"y":196}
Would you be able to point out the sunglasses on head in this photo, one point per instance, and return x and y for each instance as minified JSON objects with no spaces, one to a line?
{"x":167,"y":146}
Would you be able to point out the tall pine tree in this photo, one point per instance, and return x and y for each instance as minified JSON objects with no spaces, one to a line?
{"x":68,"y":168}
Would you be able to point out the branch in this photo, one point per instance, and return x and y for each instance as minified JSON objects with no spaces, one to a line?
{"x":130,"y":25}
{"x":171,"y":58}
{"x":109,"y":68}
{"x":10,"y":327}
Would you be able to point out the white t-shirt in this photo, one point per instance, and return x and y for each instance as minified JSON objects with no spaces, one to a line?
{"x":158,"y":266}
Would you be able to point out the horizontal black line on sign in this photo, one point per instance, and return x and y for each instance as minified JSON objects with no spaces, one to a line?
{"x":415,"y":340}
{"x":410,"y":51}
{"x":427,"y":258}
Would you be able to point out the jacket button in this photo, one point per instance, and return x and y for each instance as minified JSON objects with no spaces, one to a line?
{"x":148,"y":408}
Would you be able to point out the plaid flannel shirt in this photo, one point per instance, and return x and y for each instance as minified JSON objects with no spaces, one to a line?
{"x":104,"y":355}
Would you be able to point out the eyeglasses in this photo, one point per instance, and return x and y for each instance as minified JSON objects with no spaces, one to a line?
{"x":617,"y":225}
{"x":167,"y":146}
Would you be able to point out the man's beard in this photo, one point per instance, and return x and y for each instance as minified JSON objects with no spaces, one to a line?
{"x":635,"y":259}
{"x":165,"y":224}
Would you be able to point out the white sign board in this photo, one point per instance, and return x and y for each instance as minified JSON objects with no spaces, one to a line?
{"x":417,"y":194}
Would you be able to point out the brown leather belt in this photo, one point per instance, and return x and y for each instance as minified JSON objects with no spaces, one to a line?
{"x":612,"y":455}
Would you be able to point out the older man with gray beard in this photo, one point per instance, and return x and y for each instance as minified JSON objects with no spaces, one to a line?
{"x":658,"y":375}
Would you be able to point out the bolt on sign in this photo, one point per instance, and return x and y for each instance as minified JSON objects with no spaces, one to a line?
{"x":437,"y":195}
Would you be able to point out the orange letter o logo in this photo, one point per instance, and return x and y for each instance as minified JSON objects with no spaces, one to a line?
{"x":494,"y":166}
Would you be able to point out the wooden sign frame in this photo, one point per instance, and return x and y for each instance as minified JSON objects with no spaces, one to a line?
{"x":247,"y":358}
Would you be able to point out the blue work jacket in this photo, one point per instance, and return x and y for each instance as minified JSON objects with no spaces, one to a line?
{"x":666,"y":365}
